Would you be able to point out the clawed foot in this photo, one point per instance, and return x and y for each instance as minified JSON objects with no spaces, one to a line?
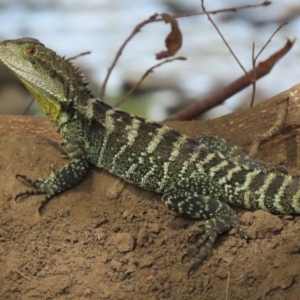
{"x":210,"y":230}
{"x":67,"y":177}
{"x":35,"y":184}
{"x":40,"y":186}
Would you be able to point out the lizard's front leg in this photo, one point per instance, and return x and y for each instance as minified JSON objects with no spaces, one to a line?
{"x":191,"y":198}
{"x":67,"y":177}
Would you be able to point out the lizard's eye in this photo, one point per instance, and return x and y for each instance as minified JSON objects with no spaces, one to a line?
{"x":31,"y":51}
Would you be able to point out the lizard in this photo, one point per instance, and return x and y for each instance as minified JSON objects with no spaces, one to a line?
{"x":198,"y":178}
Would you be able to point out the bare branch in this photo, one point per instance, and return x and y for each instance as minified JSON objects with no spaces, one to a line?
{"x":154,"y":18}
{"x":221,"y":35}
{"x":214,"y":12}
{"x":254,"y":75}
{"x":80,"y":54}
{"x":269,"y":40}
{"x":282,"y":109}
{"x":119,"y":52}
{"x":254,"y":60}
{"x":145,"y":75}
{"x":239,"y":84}
{"x":28,"y":106}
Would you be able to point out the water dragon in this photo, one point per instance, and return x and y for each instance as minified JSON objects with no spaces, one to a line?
{"x":199,"y":178}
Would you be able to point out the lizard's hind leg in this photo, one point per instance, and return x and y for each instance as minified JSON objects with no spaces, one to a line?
{"x":215,"y":216}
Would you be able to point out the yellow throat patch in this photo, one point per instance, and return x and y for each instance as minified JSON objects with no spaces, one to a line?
{"x":50,"y":107}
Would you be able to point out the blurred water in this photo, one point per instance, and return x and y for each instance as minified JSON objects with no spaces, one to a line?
{"x":73,"y":26}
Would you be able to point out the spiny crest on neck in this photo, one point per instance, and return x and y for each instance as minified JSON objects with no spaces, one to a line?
{"x":61,"y":68}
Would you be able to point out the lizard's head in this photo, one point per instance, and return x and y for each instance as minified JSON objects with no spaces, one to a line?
{"x":52,"y":79}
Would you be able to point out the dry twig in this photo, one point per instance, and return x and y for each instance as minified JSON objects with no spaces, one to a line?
{"x":22,"y":274}
{"x":119,"y":52}
{"x":254,"y":60}
{"x":263,"y":68}
{"x":28,"y":106}
{"x":155,"y":18}
{"x":222,"y":37}
{"x":80,"y":54}
{"x":229,"y":9}
{"x":145,"y":75}
{"x":282,"y":108}
{"x":227,"y":285}
{"x":254,"y":75}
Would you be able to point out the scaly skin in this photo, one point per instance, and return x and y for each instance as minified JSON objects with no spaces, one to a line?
{"x":196,"y":177}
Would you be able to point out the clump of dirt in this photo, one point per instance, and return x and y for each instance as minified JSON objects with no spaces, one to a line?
{"x":89,"y":246}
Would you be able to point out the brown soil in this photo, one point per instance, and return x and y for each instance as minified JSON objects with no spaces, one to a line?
{"x":89,"y":246}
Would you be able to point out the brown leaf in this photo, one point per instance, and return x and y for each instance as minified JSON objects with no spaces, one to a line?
{"x":174,"y":39}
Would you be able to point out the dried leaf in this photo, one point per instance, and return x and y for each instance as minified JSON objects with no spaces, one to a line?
{"x":174,"y":39}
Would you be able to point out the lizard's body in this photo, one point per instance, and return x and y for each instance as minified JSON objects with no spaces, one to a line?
{"x":197,"y":177}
